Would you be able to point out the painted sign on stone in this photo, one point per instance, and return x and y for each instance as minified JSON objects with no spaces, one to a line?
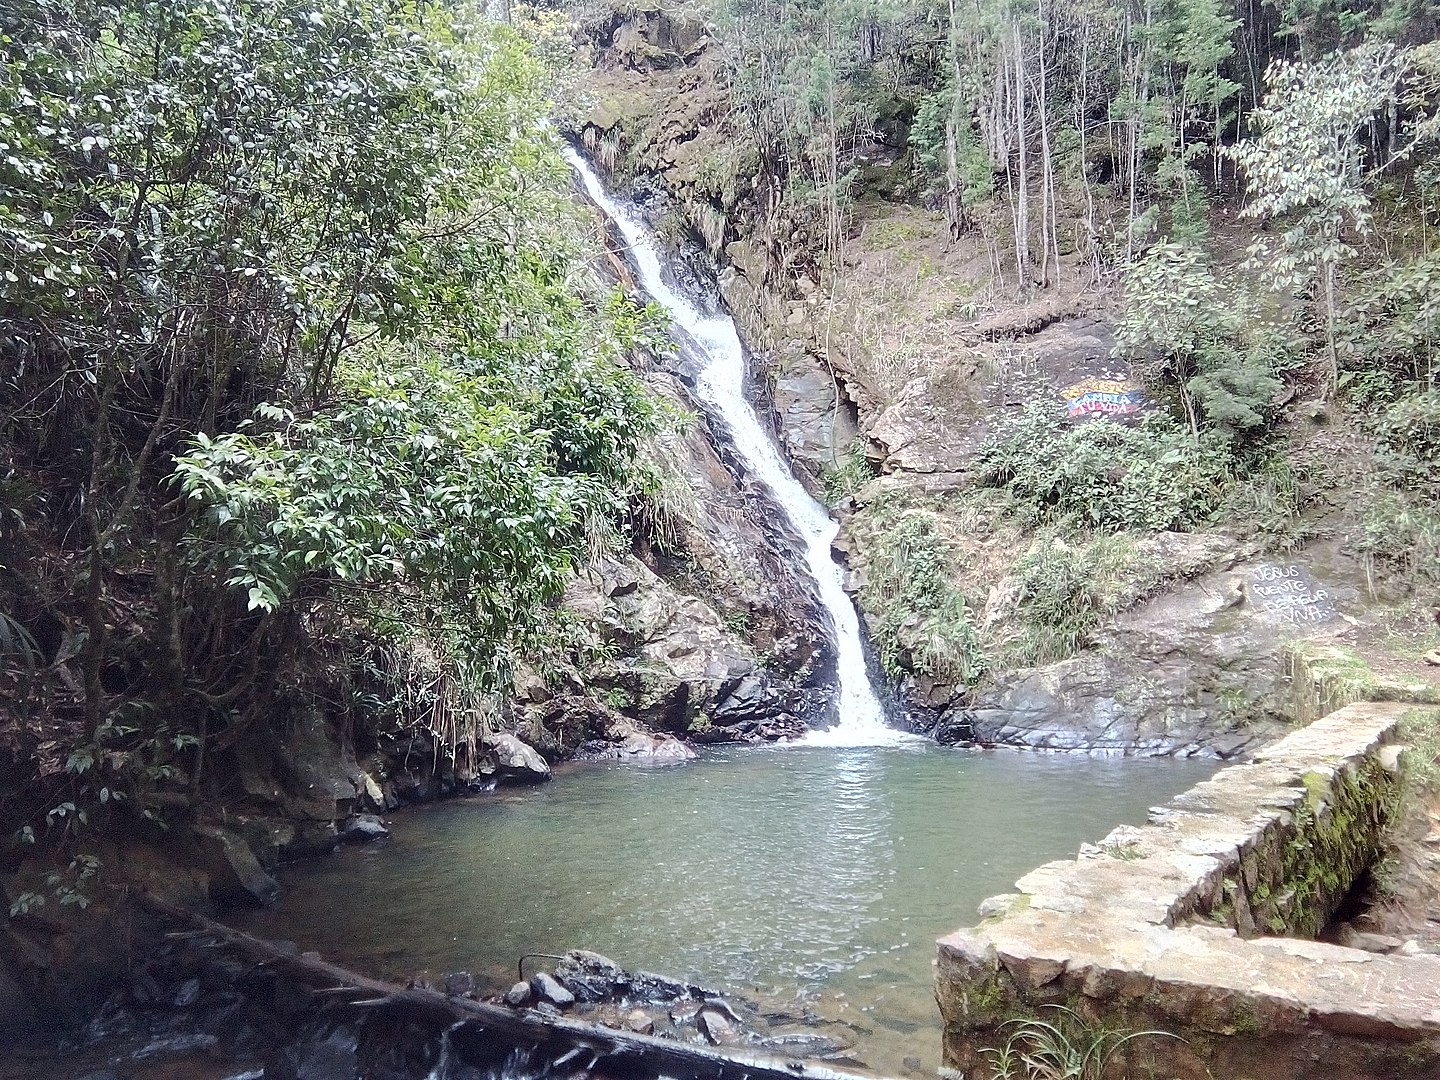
{"x":1102,"y":397}
{"x":1289,"y":593}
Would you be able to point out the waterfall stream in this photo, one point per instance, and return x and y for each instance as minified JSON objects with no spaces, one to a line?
{"x":721,"y":384}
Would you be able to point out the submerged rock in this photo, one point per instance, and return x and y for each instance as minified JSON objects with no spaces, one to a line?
{"x":549,"y":990}
{"x":236,"y":876}
{"x":360,"y":828}
{"x":459,"y":983}
{"x":590,"y":976}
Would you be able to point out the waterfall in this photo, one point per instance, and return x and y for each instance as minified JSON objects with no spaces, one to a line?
{"x":721,"y":384}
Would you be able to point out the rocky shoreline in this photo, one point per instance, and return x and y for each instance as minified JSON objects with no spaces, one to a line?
{"x":199,"y":999}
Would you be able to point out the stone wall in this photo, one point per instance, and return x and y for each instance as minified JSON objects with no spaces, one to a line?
{"x":1166,"y":927}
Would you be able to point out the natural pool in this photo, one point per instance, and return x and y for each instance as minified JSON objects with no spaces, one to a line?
{"x":815,"y":874}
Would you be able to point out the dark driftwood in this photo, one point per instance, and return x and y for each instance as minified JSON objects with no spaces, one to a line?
{"x":570,"y":1044}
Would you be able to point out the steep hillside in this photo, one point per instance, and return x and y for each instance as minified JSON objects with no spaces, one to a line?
{"x":1060,"y":530}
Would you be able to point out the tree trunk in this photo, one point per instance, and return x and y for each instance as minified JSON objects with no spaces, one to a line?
{"x":1022,"y":178}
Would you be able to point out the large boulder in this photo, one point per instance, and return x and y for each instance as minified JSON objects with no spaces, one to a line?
{"x":236,"y":877}
{"x":516,"y":761}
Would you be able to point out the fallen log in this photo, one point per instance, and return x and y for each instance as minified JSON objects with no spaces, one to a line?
{"x":483,"y":1028}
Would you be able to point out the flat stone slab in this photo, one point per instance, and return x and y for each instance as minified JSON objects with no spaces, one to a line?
{"x":1163,"y":927}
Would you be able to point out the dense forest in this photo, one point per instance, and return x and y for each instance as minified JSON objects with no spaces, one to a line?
{"x":313,"y":399}
{"x":306,"y":395}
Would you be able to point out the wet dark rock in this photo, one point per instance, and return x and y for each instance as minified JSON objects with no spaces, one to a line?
{"x":803,"y":1043}
{"x":362,"y":828}
{"x":716,"y":1026}
{"x":957,"y":726}
{"x":651,"y":987}
{"x":544,"y":1008}
{"x":751,"y":699}
{"x":590,"y":976}
{"x":188,"y":994}
{"x":548,"y":989}
{"x":518,"y":995}
{"x":459,"y":983}
{"x":186,"y":1043}
{"x":235,"y":874}
{"x":335,"y":1057}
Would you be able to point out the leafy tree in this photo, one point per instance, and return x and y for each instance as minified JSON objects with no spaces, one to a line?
{"x":291,"y":329}
{"x":1304,"y":164}
{"x":1178,"y":311}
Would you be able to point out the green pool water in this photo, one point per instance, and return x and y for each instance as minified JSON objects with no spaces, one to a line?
{"x":799,"y":874}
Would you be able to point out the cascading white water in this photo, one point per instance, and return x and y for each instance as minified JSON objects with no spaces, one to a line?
{"x":721,"y":383}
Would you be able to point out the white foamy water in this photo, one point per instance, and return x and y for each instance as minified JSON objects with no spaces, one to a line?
{"x":721,"y":383}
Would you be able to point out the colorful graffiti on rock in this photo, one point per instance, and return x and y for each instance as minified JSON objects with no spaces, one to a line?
{"x":1102,"y":397}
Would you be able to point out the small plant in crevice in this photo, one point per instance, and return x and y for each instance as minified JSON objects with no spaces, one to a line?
{"x":920,"y":619}
{"x":1069,"y":1047}
{"x":1065,"y":593}
{"x":847,"y":474}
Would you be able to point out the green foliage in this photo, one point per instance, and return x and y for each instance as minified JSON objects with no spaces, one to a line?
{"x":1399,"y":517}
{"x":1064,"y":593}
{"x":1391,"y":335}
{"x":1420,"y":730}
{"x":1267,"y":499}
{"x":927,"y":140}
{"x":849,"y":474}
{"x":313,"y":269}
{"x":1304,"y":164}
{"x":920,"y":620}
{"x":1409,"y":444}
{"x":1103,"y":475}
{"x":1176,"y":307}
{"x":1305,"y":155}
{"x":1067,"y":1047}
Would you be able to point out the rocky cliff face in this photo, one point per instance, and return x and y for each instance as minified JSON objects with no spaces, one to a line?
{"x":899,"y":363}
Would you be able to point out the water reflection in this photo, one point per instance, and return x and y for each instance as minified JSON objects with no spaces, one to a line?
{"x":809,"y":872}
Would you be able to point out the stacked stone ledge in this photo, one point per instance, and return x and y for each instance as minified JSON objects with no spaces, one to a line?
{"x":1198,"y":924}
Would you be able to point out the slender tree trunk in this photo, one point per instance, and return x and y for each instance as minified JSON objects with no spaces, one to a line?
{"x":1330,"y":328}
{"x":1022,"y":179}
{"x":1049,"y":216}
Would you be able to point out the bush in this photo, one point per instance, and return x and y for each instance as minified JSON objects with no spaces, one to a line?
{"x":1201,"y":334}
{"x":1103,"y":475}
{"x":1409,"y":444}
{"x":1391,"y":340}
{"x":1399,"y":525}
{"x":850,"y":472}
{"x":1064,"y":594}
{"x":920,"y":620}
